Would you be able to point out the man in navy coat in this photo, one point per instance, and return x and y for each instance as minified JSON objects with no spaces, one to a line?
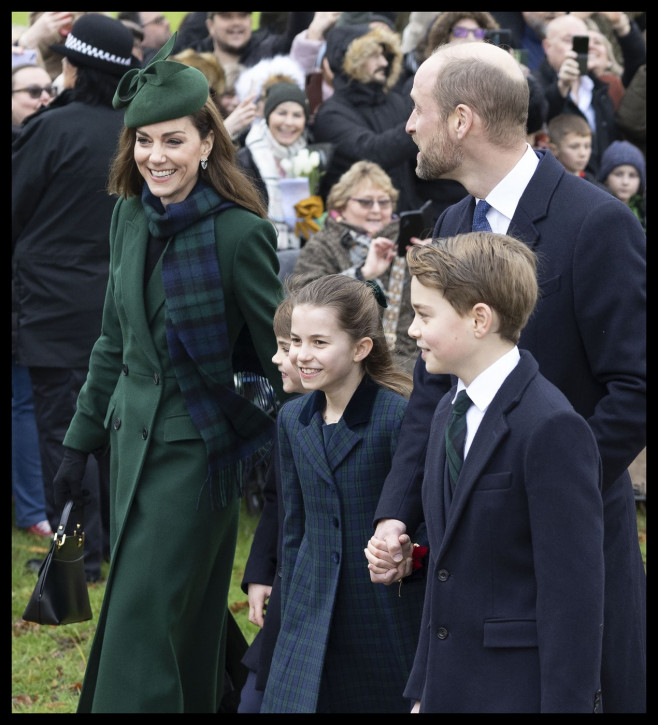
{"x":588,"y":331}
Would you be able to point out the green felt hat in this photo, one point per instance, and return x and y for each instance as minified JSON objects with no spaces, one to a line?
{"x":161,"y":91}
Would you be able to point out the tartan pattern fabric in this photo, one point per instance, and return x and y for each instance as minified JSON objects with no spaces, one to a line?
{"x":233,"y":429}
{"x":345,"y":644}
{"x":456,"y":437}
{"x":480,"y":223}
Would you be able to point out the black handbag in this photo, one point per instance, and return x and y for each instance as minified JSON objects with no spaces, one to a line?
{"x":60,"y":595}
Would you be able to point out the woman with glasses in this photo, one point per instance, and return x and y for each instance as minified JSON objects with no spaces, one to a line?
{"x":358,"y":239}
{"x":30,"y":89}
{"x":459,"y":27}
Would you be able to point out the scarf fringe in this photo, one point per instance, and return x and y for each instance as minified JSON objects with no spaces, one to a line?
{"x":228,"y":483}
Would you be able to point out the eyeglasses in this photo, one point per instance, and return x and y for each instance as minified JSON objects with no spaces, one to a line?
{"x":156,"y":21}
{"x":369,"y":203}
{"x":36,"y":91}
{"x":461,"y":32}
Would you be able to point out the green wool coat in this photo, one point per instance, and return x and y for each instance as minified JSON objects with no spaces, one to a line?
{"x":159,"y":644}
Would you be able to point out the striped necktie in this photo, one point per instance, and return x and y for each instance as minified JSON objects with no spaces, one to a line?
{"x":480,"y":223}
{"x":456,"y":437}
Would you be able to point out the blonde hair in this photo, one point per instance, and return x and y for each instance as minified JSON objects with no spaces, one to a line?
{"x":496,"y":269}
{"x":351,"y":179}
{"x":208,"y":64}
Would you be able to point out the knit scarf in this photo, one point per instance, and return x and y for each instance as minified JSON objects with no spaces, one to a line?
{"x":235,"y":431}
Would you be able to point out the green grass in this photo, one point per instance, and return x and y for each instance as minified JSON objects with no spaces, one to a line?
{"x":48,"y":663}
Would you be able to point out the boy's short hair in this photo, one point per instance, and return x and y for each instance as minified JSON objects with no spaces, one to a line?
{"x":481,"y":267}
{"x":281,"y":321}
{"x":564,"y":123}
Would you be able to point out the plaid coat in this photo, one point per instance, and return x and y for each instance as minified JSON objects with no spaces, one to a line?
{"x":345,"y":644}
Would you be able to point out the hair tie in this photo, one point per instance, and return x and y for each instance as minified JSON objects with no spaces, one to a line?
{"x":378,"y":292}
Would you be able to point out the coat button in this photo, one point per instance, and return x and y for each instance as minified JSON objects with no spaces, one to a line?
{"x":124,"y":368}
{"x":145,"y":434}
{"x":442,"y":633}
{"x":442,"y":575}
{"x":116,"y":424}
{"x":335,"y":522}
{"x":279,"y":571}
{"x":156,"y":378}
{"x":334,"y":557}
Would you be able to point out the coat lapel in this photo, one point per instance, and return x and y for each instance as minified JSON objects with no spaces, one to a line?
{"x":133,"y":289}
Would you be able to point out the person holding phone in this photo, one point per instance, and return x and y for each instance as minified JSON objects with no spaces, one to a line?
{"x":358,"y":239}
{"x":568,"y":90}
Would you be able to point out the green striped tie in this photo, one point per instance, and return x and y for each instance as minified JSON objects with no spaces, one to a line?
{"x":456,"y":437}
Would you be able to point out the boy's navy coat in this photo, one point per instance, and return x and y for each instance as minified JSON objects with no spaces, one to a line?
{"x":588,"y":334}
{"x":513,"y":614}
{"x":337,"y":627}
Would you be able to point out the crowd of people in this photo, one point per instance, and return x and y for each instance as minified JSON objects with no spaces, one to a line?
{"x":449,"y":522}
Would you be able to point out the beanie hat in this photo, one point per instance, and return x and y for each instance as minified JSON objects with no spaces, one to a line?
{"x":99,"y":42}
{"x":618,"y":154}
{"x":280,"y":93}
{"x":161,"y":91}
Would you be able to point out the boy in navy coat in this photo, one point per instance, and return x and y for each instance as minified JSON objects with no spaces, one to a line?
{"x":513,"y":613}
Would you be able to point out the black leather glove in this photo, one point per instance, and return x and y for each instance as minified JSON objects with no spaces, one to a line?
{"x":68,"y":480}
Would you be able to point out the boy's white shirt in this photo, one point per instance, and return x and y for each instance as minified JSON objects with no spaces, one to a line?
{"x":482,"y":390}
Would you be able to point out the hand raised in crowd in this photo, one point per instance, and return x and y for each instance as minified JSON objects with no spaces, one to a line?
{"x":49,"y":27}
{"x":242,"y":116}
{"x":381,"y":253}
{"x":320,"y":24}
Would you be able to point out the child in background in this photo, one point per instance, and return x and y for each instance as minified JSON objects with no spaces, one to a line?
{"x":513,"y":616}
{"x":344,"y":644}
{"x":570,"y":140}
{"x":260,"y":581}
{"x":623,"y":171}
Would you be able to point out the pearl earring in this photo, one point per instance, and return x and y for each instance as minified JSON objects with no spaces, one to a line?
{"x":204,"y":164}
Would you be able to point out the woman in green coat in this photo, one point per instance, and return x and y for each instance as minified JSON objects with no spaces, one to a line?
{"x":192,"y":283}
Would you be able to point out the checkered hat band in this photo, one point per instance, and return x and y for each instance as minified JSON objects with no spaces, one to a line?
{"x":80,"y":46}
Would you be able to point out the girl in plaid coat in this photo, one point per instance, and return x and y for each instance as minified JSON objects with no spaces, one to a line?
{"x":344,"y":644}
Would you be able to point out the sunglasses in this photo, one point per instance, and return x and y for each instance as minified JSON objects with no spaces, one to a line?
{"x":369,"y":203}
{"x":36,"y":91}
{"x":460,"y":32}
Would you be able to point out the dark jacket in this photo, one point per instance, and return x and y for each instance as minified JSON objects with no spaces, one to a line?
{"x":515,"y":614}
{"x":61,"y":215}
{"x":342,"y":638}
{"x":588,"y":334}
{"x":366,"y":120}
{"x":263,"y":42}
{"x":607,"y":130}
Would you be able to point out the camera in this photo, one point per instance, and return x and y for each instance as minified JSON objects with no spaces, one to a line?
{"x":580,"y":44}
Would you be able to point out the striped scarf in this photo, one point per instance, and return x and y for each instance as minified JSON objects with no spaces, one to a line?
{"x":235,"y":431}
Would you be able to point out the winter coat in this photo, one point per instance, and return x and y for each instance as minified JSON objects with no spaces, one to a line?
{"x":607,"y":130}
{"x":159,"y":644}
{"x":328,"y":252}
{"x":61,"y":215}
{"x":365,"y":120}
{"x":345,"y":644}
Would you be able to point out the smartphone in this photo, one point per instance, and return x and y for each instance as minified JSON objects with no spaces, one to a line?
{"x":413,"y":223}
{"x":580,"y":44}
{"x":500,"y":36}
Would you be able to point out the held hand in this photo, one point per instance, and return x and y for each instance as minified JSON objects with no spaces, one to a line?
{"x":258,"y":594}
{"x":389,"y":552}
{"x":568,"y":75}
{"x":68,"y":480}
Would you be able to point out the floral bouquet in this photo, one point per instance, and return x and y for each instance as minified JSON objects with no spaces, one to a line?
{"x":306,"y":164}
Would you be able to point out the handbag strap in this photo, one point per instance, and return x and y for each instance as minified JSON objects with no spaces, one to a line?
{"x":60,"y":534}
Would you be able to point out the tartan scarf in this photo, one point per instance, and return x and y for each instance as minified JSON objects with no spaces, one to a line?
{"x":236,"y":432}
